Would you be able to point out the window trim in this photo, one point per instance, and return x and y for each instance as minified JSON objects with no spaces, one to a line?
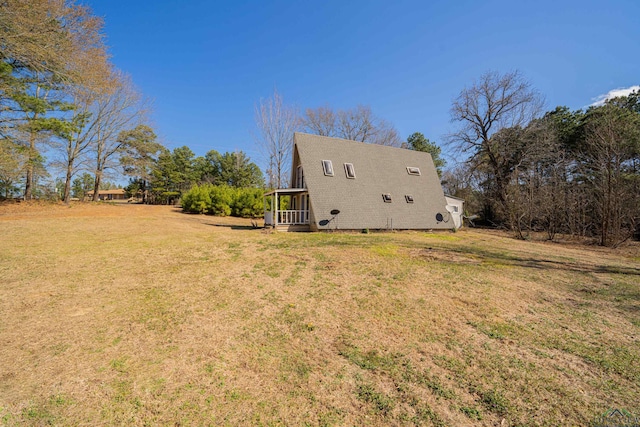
{"x":327,"y":167}
{"x":413,"y":170}
{"x":346,"y":170}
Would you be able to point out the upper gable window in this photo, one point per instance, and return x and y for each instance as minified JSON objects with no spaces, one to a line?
{"x":299,"y":177}
{"x":412,"y":170}
{"x":349,"y":170}
{"x":327,"y":166}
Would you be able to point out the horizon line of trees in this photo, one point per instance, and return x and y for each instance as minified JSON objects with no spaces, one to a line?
{"x":64,"y":107}
{"x":560,"y":171}
{"x":163,"y":176}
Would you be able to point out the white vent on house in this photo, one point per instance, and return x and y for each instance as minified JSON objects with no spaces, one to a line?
{"x":408,"y":198}
{"x":412,"y":170}
{"x":349,"y":170}
{"x":386,"y":197}
{"x":327,"y":166}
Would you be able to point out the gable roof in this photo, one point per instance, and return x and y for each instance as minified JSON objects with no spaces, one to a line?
{"x":379,"y":170}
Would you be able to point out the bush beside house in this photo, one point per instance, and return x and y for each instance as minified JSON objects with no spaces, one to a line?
{"x":222,"y":200}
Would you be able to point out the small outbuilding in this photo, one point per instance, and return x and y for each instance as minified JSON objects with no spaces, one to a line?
{"x":115,"y":194}
{"x":337,"y":184}
{"x":455,"y":206}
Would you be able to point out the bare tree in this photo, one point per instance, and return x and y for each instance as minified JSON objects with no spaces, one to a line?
{"x":386,"y":134}
{"x":357,"y":124}
{"x":50,"y":36}
{"x":90,"y":113}
{"x":48,"y":46}
{"x":276,"y":124}
{"x":612,"y":141}
{"x":116,"y":111}
{"x":320,"y":121}
{"x":485,"y":111}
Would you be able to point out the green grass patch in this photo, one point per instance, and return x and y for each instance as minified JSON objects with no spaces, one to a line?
{"x":380,"y":402}
{"x":443,"y":236}
{"x":387,"y":250}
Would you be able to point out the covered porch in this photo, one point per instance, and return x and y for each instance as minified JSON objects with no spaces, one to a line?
{"x":296,"y":214}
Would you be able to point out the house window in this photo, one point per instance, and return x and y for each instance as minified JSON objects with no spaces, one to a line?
{"x":349,"y":170}
{"x":412,"y":170}
{"x":299,"y":177}
{"x":455,"y":208}
{"x":408,"y":198}
{"x":386,"y":197}
{"x":327,"y":166}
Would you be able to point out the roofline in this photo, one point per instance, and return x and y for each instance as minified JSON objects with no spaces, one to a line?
{"x":453,"y":197}
{"x":286,"y":191}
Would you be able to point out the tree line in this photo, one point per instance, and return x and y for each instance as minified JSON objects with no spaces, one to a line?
{"x":65,"y":108}
{"x":66,"y":111}
{"x":518,"y":167}
{"x":59,"y":97}
{"x":160,"y":176}
{"x":561,"y":171}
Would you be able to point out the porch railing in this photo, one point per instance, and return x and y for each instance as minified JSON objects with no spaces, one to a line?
{"x":293,"y":217}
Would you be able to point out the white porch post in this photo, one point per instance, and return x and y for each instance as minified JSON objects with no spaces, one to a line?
{"x":276,"y":208}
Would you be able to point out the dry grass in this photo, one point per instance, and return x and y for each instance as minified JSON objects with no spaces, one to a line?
{"x":141,"y":315}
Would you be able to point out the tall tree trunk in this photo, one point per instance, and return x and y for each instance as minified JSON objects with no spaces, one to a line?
{"x":67,"y":183}
{"x":96,"y":186}
{"x":28,"y":189}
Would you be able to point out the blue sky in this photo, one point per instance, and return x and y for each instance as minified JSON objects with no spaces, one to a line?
{"x":205,"y":64}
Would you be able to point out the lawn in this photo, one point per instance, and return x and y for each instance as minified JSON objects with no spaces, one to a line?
{"x":141,"y":315}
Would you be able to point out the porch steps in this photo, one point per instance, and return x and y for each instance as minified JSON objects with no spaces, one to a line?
{"x":293,"y":227}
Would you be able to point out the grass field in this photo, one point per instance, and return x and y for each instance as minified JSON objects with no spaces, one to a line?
{"x":142,"y":315}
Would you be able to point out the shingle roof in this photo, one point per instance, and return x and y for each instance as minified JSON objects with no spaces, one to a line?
{"x":379,"y":170}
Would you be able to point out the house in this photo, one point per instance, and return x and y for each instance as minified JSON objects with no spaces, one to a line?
{"x":337,"y":184}
{"x":116,"y":194}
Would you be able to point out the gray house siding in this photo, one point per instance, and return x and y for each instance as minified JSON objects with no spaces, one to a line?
{"x":378,"y":170}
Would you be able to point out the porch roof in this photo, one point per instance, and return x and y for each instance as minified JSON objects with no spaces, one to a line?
{"x":286,"y":191}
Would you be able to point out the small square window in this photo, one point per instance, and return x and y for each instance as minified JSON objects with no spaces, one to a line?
{"x":349,"y":170}
{"x":455,"y":209}
{"x":412,"y":170}
{"x":386,"y":197}
{"x":327,"y":166}
{"x":408,"y":198}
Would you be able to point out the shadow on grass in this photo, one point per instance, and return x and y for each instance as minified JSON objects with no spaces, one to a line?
{"x":235,"y":226}
{"x":213,"y":224}
{"x":544,"y":264}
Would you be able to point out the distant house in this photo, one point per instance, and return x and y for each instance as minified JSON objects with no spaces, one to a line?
{"x":117,"y":194}
{"x":348,"y":185}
